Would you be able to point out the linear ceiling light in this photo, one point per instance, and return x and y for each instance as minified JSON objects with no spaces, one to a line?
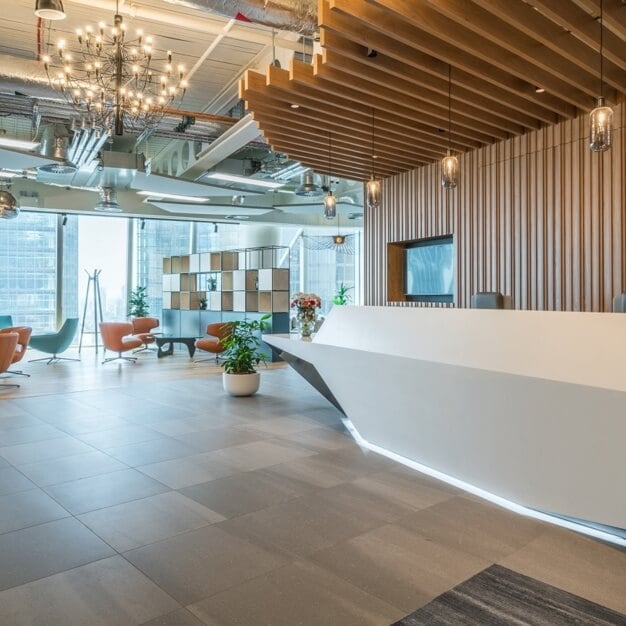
{"x":244,"y":180}
{"x":18,"y":144}
{"x":172,"y":196}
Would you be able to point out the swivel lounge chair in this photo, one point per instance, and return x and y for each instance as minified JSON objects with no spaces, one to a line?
{"x":142,"y":329}
{"x":8,"y":344}
{"x":6,"y":321}
{"x":217,"y":332}
{"x":23,"y":337}
{"x":56,"y":343}
{"x":115,"y":337}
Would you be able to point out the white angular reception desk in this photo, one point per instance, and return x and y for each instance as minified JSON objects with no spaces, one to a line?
{"x":528,"y":406}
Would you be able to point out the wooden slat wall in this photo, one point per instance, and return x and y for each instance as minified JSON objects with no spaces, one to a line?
{"x":538,"y":217}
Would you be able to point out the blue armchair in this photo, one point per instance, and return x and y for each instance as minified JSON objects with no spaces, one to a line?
{"x":6,"y":321}
{"x":56,"y":343}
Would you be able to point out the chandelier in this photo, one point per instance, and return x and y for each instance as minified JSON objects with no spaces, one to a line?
{"x":114,"y":79}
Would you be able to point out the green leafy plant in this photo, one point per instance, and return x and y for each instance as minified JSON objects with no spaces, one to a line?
{"x":342,"y":296}
{"x":138,"y":303}
{"x":242,"y":346}
{"x":202,"y":302}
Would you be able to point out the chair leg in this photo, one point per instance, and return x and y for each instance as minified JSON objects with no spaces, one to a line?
{"x":53,"y":359}
{"x":18,"y":373}
{"x":119,"y":357}
{"x":9,"y":385}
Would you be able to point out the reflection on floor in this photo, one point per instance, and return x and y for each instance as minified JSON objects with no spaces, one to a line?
{"x":137,"y":494}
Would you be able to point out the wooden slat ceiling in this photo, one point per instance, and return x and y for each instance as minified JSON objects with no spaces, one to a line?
{"x":499,"y":52}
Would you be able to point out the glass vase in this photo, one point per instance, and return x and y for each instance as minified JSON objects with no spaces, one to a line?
{"x":306,"y":321}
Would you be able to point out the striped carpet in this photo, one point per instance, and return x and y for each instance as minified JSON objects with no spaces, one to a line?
{"x":498,"y":596}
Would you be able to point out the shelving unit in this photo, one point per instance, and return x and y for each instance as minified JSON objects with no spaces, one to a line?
{"x":237,"y":285}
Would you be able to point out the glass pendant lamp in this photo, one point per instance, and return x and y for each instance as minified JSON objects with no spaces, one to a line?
{"x":601,"y":118}
{"x":374,"y":185}
{"x":449,"y":163}
{"x":330,"y":202}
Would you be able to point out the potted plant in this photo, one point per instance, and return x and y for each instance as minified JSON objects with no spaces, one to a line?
{"x":138,"y":303}
{"x":342,"y":296}
{"x":241,"y":357}
{"x":202,"y":304}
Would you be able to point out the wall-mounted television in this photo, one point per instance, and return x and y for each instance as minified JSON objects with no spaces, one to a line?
{"x":429,"y":269}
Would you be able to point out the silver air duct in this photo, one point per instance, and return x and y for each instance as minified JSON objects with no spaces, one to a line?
{"x":295,"y":15}
{"x":308,"y":187}
{"x":108,"y":201}
{"x":55,"y":143}
{"x":22,"y":76}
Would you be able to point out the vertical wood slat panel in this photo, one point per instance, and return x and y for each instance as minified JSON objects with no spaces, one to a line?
{"x":539,"y":217}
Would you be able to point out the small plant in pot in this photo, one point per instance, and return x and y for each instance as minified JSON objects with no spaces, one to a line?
{"x":138,"y":303}
{"x":242,"y":356}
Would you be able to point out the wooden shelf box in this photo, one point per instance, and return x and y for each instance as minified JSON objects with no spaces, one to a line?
{"x":252,"y":301}
{"x":252,"y":280}
{"x":167,"y":265}
{"x":273,"y":280}
{"x":227,"y":281}
{"x":230,"y":261}
{"x":265,"y":301}
{"x":216,"y":261}
{"x":227,"y":300}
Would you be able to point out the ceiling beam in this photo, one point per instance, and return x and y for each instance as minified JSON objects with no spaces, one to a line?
{"x":555,"y":37}
{"x":386,"y":23}
{"x":404,"y":79}
{"x":418,"y":14}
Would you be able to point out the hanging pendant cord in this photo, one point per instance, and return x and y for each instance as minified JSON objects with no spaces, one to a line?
{"x":449,"y":107}
{"x":602,"y":48}
{"x":373,"y":140}
{"x":330,"y":162}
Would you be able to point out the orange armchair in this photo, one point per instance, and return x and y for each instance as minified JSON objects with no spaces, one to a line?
{"x":217,"y":332}
{"x":115,"y":337}
{"x":142,"y":327}
{"x":23,"y":337}
{"x":8,"y":344}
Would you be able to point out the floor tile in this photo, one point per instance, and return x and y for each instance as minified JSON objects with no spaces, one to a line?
{"x":244,"y":493}
{"x":576,"y":564}
{"x":12,"y":481}
{"x":280,"y":425}
{"x":18,"y":420}
{"x":217,"y":438}
{"x":300,"y":593}
{"x":404,"y":569}
{"x":195,"y":424}
{"x":478,"y":528}
{"x":71,"y":468}
{"x":28,"y":508}
{"x":309,"y":523}
{"x":320,"y":439}
{"x":182,"y":617}
{"x":46,"y":549}
{"x":106,"y":593}
{"x":44,"y":450}
{"x":97,"y":492}
{"x":258,"y":454}
{"x":81,"y":427}
{"x":134,"y":524}
{"x":29,"y":434}
{"x":121,"y":436}
{"x":153,"y":451}
{"x":202,"y":562}
{"x":187,"y":471}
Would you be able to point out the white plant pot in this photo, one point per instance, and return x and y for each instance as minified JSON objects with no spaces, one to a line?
{"x":241,"y":384}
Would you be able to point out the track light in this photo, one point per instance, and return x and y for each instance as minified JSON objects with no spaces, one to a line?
{"x":214,"y":227}
{"x":142,"y":224}
{"x":64,"y":222}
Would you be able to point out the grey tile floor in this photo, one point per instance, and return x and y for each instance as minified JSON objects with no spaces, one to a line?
{"x":173,"y":504}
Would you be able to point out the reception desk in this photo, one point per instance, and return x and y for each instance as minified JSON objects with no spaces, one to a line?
{"x":526,"y":406}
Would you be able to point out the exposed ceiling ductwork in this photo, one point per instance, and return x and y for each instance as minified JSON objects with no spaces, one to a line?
{"x":295,"y":15}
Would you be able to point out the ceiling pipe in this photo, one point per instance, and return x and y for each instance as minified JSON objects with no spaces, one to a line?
{"x":299,"y":16}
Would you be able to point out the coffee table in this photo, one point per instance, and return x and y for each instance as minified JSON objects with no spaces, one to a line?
{"x":162,"y":340}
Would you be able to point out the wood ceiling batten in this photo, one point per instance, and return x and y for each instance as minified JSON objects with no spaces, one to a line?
{"x":499,"y":52}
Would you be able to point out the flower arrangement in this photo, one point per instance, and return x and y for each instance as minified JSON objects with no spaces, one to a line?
{"x":306,"y":303}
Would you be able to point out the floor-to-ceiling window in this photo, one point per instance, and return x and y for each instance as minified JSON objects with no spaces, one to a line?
{"x":29,"y":269}
{"x":103,"y":245}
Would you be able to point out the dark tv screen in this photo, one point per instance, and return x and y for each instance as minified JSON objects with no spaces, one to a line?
{"x":429,"y":267}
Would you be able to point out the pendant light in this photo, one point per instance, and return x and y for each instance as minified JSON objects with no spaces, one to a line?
{"x":50,"y":10}
{"x":9,"y":208}
{"x":449,"y":163}
{"x":374,"y":185}
{"x":601,"y":118}
{"x":330,"y":202}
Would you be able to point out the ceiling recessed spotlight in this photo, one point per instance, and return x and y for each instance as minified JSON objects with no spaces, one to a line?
{"x":374,"y":156}
{"x":539,"y":90}
{"x":294,"y":106}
